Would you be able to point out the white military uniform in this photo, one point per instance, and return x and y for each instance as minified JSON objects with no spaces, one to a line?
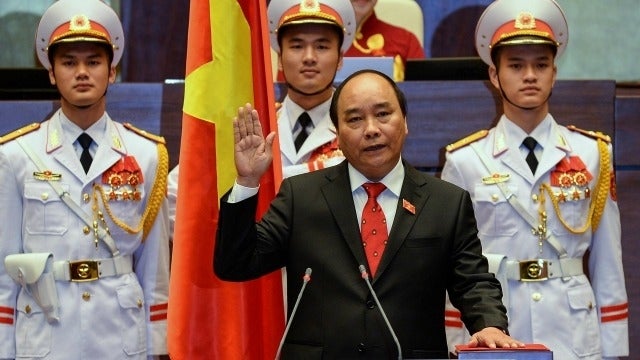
{"x":114,"y":317}
{"x":320,"y":148}
{"x":297,"y":162}
{"x":577,"y":317}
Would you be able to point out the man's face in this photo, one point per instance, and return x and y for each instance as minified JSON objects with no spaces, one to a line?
{"x":526,"y":74}
{"x":310,"y":56}
{"x":363,"y":8}
{"x":81,"y":72}
{"x":371,"y":127}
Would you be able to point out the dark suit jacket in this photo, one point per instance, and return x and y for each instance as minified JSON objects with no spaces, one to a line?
{"x":312,"y":223}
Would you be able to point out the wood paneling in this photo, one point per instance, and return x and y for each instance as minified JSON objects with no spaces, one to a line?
{"x":627,"y":144}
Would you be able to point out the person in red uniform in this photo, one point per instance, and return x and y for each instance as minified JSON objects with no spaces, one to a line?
{"x":375,"y":37}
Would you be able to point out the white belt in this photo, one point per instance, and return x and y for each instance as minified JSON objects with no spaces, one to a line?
{"x":90,"y":270}
{"x":543,"y":269}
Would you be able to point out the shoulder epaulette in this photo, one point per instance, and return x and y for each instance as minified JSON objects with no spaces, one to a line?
{"x":17,"y":133}
{"x":467,"y":140}
{"x":145,"y":134}
{"x":591,"y":134}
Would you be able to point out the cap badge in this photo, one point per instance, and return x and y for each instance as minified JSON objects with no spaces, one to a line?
{"x":309,"y":6}
{"x":525,"y":20}
{"x":79,"y":23}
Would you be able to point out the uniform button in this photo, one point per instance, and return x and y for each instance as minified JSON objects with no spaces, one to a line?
{"x":86,"y":197}
{"x":494,"y":197}
{"x":371,"y":304}
{"x":44,"y":196}
{"x":140,"y":303}
{"x":86,"y":296}
{"x":590,"y":306}
{"x":534,"y":197}
{"x":86,"y":230}
{"x":536,"y":296}
{"x":361,"y":348}
{"x":27,"y":309}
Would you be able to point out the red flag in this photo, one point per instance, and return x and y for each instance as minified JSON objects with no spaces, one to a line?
{"x":228,"y":65}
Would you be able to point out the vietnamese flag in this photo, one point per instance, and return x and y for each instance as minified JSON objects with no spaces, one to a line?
{"x":228,"y":65}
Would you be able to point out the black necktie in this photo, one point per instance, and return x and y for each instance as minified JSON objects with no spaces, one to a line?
{"x":85,"y":158}
{"x":530,"y":143}
{"x":305,"y":120}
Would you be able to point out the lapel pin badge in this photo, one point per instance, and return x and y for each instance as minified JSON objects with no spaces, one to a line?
{"x":408,"y":206}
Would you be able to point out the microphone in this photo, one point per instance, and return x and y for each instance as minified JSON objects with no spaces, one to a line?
{"x":305,"y":279}
{"x":365,"y":276}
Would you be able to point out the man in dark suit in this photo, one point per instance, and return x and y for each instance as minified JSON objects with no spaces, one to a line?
{"x":314,"y":222}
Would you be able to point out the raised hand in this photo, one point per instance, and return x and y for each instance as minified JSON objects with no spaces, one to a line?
{"x":253,"y":152}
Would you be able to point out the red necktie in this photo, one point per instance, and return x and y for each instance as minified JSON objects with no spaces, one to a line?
{"x":374,"y":226}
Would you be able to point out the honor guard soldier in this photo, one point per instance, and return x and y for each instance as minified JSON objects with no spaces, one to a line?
{"x":310,"y":38}
{"x":544,"y":196}
{"x":84,"y":240}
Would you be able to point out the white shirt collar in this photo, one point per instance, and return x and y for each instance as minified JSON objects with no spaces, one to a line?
{"x":317,"y":113}
{"x":393,"y":180}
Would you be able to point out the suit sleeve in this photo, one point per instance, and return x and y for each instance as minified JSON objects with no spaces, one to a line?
{"x":244,"y":249}
{"x":456,"y":331}
{"x":473,"y":290}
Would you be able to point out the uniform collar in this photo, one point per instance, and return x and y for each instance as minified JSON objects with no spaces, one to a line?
{"x":510,"y":136}
{"x":317,"y":113}
{"x":64,"y":131}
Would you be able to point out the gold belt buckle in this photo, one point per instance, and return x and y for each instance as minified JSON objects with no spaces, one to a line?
{"x":83,"y":270}
{"x":534,"y":270}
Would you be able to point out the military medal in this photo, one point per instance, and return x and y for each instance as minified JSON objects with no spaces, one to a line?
{"x":123,"y":178}
{"x":572,"y":177}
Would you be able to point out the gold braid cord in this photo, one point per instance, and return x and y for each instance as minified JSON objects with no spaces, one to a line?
{"x":604,"y":184}
{"x":596,"y":207}
{"x":158,"y":192}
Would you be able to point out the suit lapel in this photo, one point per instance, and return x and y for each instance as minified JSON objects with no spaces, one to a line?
{"x":337,"y":193}
{"x":412,"y":198}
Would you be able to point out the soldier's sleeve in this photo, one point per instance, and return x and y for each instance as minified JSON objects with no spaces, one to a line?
{"x":10,"y":243}
{"x":152,"y":257}
{"x":607,"y":276}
